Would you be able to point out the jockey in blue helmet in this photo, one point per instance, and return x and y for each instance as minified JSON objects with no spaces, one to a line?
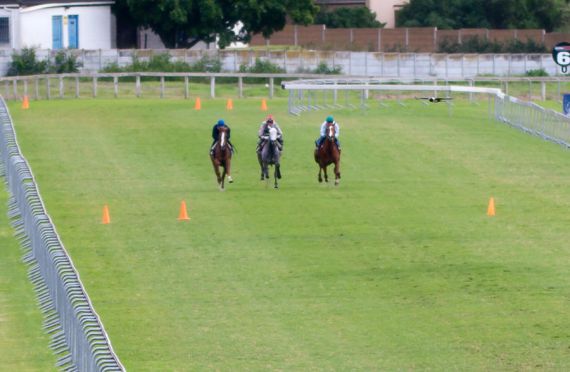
{"x":329,"y":121}
{"x":216,"y":133}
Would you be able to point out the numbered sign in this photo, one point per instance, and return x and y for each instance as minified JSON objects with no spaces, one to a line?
{"x":561,"y":55}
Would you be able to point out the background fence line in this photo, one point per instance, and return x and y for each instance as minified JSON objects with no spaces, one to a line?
{"x":78,"y":337}
{"x":182,"y":85}
{"x":395,"y":65}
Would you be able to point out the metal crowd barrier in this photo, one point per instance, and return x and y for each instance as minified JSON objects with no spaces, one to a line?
{"x":533,"y":119}
{"x":78,"y":337}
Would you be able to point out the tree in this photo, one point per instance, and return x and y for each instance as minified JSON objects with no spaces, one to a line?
{"x":183,"y":23}
{"x":500,"y":14}
{"x":344,"y":17}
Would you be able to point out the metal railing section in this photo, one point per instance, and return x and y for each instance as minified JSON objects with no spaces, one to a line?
{"x":315,"y":94}
{"x":78,"y":337}
{"x":533,"y":119}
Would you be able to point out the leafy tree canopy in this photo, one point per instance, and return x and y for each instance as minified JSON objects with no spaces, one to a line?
{"x":499,"y":14}
{"x":345,"y":17}
{"x":183,"y":23}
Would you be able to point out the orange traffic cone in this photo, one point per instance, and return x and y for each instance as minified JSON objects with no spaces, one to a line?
{"x":25,"y":103}
{"x":183,"y":215}
{"x":230,"y":104}
{"x":491,"y":207}
{"x":263,"y":105}
{"x":106,"y":217}
{"x":198,"y":104}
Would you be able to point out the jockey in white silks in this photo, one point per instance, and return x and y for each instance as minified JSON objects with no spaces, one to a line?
{"x":263,"y":133}
{"x":329,"y":121}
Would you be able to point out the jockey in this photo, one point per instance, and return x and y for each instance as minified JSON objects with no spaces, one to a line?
{"x":329,"y":121}
{"x":264,"y":132}
{"x":216,"y":133}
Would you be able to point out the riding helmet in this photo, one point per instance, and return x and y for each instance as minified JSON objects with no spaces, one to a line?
{"x":221,"y":122}
{"x":330,"y":119}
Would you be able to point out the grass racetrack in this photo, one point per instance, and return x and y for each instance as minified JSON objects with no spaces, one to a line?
{"x":397,"y":268}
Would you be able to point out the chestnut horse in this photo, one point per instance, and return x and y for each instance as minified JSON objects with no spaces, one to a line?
{"x":328,"y":153}
{"x":222,"y":157}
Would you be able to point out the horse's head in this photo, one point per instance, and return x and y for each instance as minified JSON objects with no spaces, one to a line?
{"x":330,"y":131}
{"x":223,"y":136}
{"x":272,"y":134}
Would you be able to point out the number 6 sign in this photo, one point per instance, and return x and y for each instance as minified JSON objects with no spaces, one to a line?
{"x":561,"y":55}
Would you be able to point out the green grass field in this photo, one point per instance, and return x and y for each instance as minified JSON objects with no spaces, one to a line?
{"x":398,"y":268}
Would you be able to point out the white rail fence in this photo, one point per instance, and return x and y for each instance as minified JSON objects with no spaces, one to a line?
{"x":78,"y":336}
{"x":187,"y":85}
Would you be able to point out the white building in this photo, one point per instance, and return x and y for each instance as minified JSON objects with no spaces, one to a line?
{"x":57,"y":24}
{"x":385,"y":9}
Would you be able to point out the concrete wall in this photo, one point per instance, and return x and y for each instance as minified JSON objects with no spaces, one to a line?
{"x":397,"y":65}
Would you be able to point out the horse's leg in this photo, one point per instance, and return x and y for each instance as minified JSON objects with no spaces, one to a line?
{"x":228,"y":169}
{"x":216,"y":165}
{"x":223,"y":177}
{"x":320,"y":172}
{"x":276,"y":185}
{"x":337,"y":171}
{"x":266,"y":170}
{"x":326,"y":175}
{"x":260,"y":163}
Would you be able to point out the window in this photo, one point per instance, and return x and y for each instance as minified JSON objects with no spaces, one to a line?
{"x":4,"y":30}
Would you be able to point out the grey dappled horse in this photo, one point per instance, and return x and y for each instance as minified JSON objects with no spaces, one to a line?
{"x":270,"y":155}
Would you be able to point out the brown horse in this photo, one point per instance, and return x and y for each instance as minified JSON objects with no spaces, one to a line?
{"x":328,"y":153}
{"x":222,"y":157}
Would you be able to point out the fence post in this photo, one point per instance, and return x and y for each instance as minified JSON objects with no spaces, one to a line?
{"x":48,"y":88}
{"x":77,"y":87}
{"x":138,"y":86}
{"x":335,"y":95}
{"x":186,"y":90}
{"x":295,"y":36}
{"x":15,"y":88}
{"x":116,"y":86}
{"x":61,"y":88}
{"x":162,"y":87}
{"x":37,"y":88}
{"x":543,"y":90}
{"x":94,"y":86}
{"x":213,"y":86}
{"x":25,"y":87}
{"x":398,"y":65}
{"x":240,"y":87}
{"x":271,"y":90}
